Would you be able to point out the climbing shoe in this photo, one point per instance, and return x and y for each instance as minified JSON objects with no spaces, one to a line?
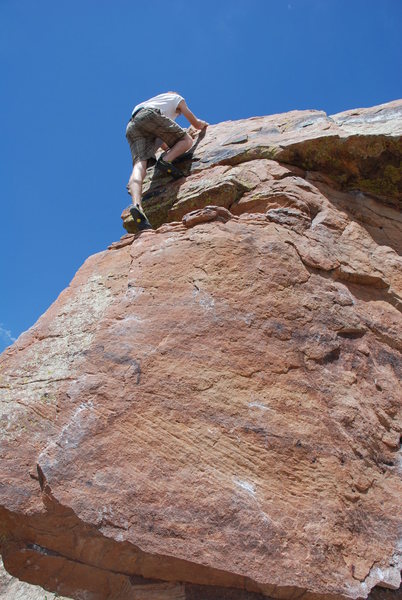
{"x":169,"y":168}
{"x":140,"y":218}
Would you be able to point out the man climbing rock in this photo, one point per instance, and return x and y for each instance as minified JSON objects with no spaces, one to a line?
{"x":152,"y":125}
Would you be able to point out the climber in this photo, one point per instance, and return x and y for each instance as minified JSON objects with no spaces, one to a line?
{"x":152,"y":126}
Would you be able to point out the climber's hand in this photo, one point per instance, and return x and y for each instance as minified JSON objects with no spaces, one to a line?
{"x":201,"y":124}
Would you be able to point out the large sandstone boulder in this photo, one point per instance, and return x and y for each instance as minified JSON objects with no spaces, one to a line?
{"x":211,"y":410}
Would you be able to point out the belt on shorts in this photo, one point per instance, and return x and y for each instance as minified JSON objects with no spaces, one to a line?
{"x":136,"y":112}
{"x":141,"y":108}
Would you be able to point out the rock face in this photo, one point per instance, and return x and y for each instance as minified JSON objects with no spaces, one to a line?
{"x":12,"y":589}
{"x":211,"y":410}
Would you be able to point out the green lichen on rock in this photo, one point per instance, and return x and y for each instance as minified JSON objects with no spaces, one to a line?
{"x":158,"y":212}
{"x":389,"y":185}
{"x":369,"y":163}
{"x":269,"y":152}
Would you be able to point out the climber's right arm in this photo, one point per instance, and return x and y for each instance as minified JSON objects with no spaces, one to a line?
{"x":186,"y":112}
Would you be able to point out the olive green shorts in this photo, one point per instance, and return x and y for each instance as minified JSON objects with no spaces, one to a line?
{"x":146,"y":130}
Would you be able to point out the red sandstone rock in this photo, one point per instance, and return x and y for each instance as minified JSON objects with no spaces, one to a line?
{"x":13,"y":589}
{"x":212,"y":410}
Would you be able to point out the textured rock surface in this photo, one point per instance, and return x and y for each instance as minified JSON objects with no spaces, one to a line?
{"x":212,"y":409}
{"x":13,"y":589}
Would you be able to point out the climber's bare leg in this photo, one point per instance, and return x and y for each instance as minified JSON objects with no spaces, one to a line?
{"x":179,"y":148}
{"x":134,"y":185}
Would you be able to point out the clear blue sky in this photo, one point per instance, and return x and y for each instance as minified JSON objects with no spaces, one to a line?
{"x":71,"y":71}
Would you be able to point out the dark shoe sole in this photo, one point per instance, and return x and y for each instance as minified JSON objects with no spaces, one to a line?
{"x":140,"y":219}
{"x":169,"y":168}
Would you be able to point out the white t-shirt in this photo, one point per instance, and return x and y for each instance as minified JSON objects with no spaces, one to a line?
{"x":167,"y":104}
